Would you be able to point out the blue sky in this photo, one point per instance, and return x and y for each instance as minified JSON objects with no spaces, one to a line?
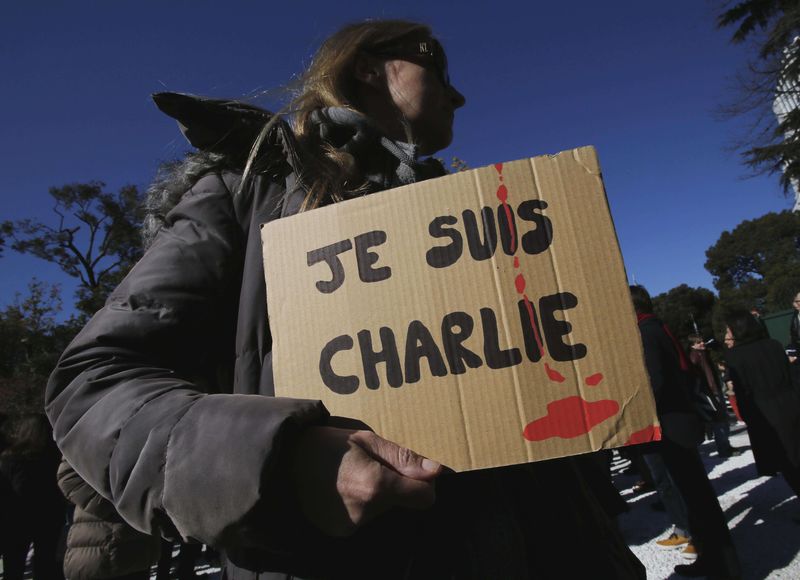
{"x":641,"y":81}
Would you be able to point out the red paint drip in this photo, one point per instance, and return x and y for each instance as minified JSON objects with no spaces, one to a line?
{"x":516,"y":261}
{"x":570,"y":417}
{"x":519,"y":282}
{"x":553,"y":374}
{"x":499,"y":167}
{"x":529,"y":308}
{"x":502,"y":193}
{"x":649,"y":433}
{"x":594,"y":380}
{"x":511,"y":230}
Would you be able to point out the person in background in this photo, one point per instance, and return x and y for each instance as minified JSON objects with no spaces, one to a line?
{"x":682,"y":431}
{"x":706,"y":379}
{"x":34,"y":513}
{"x":730,"y":394}
{"x":768,"y":401}
{"x":679,"y":537}
{"x":6,"y":491}
{"x":793,"y":348}
{"x":165,"y":403}
{"x":794,"y":327}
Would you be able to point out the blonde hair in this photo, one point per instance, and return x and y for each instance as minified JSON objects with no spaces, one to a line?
{"x":330,"y":81}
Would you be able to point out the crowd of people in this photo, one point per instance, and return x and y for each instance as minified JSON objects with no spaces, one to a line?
{"x":760,"y":375}
{"x":164,"y":410}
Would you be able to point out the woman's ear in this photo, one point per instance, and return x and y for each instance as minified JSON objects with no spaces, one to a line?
{"x":369,"y":70}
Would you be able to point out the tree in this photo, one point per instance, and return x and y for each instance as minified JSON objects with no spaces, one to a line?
{"x":758,"y":263}
{"x":774,"y":25}
{"x":30,"y":343}
{"x":95,"y":237}
{"x":683,"y":306}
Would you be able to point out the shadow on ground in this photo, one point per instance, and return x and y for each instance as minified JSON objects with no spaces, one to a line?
{"x":761,"y":513}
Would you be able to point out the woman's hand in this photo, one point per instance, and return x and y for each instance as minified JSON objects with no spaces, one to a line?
{"x":344,"y":477}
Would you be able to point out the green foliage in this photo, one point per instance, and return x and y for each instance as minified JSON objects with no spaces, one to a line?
{"x":30,"y":342}
{"x":93,"y":236}
{"x":774,"y":147}
{"x":457,"y":165}
{"x":757,"y":265}
{"x":682,"y":307}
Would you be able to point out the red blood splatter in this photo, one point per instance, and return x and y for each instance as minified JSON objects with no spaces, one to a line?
{"x":553,"y":374}
{"x":529,"y":308}
{"x":499,"y":167}
{"x":649,"y":433}
{"x":570,"y":417}
{"x":516,"y":261}
{"x":519,"y":282}
{"x":511,"y":230}
{"x":594,"y":380}
{"x":502,"y":193}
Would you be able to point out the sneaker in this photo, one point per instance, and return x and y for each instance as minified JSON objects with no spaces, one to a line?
{"x":673,"y":541}
{"x":689,"y":552}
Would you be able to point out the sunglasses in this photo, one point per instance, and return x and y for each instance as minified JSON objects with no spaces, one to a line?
{"x":427,"y":53}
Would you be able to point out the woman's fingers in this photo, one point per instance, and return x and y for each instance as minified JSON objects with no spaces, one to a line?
{"x":406,"y":492}
{"x":400,"y":459}
{"x":345,"y":478}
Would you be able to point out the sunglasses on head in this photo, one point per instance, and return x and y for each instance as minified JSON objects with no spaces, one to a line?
{"x":427,"y":53}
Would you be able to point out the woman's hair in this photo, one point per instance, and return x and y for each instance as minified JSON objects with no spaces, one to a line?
{"x":642,"y":303}
{"x":325,"y":172}
{"x":744,"y":326}
{"x":27,"y":435}
{"x":330,"y":81}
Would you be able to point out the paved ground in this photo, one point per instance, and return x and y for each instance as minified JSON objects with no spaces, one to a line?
{"x":759,"y":512}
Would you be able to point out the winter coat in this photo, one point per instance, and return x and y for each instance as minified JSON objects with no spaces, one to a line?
{"x":706,"y":385}
{"x":165,"y":404}
{"x":32,"y":511}
{"x":672,"y":386}
{"x":30,"y":495}
{"x":100,"y":544}
{"x":768,"y":401}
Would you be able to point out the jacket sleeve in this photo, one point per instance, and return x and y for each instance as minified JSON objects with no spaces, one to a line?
{"x":129,"y":413}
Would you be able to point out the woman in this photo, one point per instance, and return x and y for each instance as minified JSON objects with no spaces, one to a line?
{"x":164,"y":403}
{"x":768,"y":402}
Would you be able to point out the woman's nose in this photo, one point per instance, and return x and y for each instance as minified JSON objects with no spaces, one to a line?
{"x":456,"y":97}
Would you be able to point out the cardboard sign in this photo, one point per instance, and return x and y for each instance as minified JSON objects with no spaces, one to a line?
{"x":481,"y":319}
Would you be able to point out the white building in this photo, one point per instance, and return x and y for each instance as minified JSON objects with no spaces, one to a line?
{"x":787,"y":99}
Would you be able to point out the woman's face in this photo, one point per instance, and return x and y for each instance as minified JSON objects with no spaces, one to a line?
{"x":424,"y":101}
{"x":729,"y":342}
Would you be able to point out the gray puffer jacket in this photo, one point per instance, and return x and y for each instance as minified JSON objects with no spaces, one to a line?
{"x":99,"y":543}
{"x":164,"y":404}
